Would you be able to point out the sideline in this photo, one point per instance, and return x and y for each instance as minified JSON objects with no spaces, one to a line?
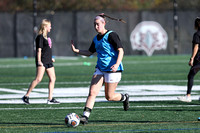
{"x":79,"y":94}
{"x":103,"y":107}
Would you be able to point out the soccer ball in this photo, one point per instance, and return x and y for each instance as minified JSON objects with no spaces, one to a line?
{"x":72,"y":120}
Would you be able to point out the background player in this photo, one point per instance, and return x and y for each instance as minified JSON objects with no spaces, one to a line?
{"x":44,"y":63}
{"x":194,"y":61}
{"x":109,"y":66}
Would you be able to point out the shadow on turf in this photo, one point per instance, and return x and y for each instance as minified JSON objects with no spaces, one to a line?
{"x":194,"y":102}
{"x":26,"y":123}
{"x":115,"y":121}
{"x":166,"y":109}
{"x":110,"y":121}
{"x":164,"y":103}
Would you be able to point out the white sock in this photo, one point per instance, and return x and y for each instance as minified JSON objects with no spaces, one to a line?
{"x":86,"y":113}
{"x":124,"y":97}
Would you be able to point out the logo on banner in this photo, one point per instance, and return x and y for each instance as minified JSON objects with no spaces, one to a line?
{"x":149,"y":36}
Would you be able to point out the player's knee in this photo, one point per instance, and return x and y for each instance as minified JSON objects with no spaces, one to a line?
{"x":38,"y":80}
{"x":53,"y":79}
{"x":109,"y":98}
{"x":190,"y":76}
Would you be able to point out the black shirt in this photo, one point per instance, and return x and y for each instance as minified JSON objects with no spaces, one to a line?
{"x":113,"y":39}
{"x":46,"y":54}
{"x":196,"y":38}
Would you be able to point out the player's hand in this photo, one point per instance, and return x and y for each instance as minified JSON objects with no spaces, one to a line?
{"x":114,"y":67}
{"x":191,"y":62}
{"x":40,"y":63}
{"x":53,"y":60}
{"x":73,"y":47}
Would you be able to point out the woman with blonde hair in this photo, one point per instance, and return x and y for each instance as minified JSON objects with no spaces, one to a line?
{"x":44,"y":62}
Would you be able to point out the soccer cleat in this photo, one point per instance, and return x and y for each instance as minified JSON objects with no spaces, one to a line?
{"x":126,"y":102}
{"x":53,"y":101}
{"x":84,"y":120}
{"x":25,"y":99}
{"x":184,"y":99}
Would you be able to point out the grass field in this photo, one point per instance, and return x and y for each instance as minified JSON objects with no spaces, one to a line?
{"x":152,"y":82}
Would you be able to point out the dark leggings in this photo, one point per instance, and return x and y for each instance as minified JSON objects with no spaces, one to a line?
{"x":193,"y":71}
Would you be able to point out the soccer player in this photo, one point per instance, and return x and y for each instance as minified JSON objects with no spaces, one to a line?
{"x":109,"y":66}
{"x":44,"y":62}
{"x":194,"y":61}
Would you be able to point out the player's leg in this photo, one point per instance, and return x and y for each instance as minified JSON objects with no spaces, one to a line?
{"x":110,"y":92}
{"x":39,"y":75}
{"x":37,"y":80}
{"x":111,"y":95}
{"x":193,"y":71}
{"x":52,"y":78}
{"x":190,"y":77}
{"x":111,"y":82}
{"x":96,"y":84}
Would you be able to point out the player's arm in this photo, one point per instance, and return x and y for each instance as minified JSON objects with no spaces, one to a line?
{"x":39,"y":53}
{"x":81,"y":52}
{"x":119,"y":59}
{"x":114,"y":40}
{"x":53,"y":60}
{"x":120,"y":56}
{"x":195,"y":50}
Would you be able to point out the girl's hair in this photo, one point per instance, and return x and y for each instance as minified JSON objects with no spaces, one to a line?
{"x":42,"y":30}
{"x":103,"y":17}
{"x":197,"y":23}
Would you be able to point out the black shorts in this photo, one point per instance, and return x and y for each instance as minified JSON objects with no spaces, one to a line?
{"x":50,"y":65}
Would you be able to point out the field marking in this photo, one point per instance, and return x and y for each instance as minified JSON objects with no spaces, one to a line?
{"x":92,"y":63}
{"x":79,"y":94}
{"x":88,"y":82}
{"x":102,"y":107}
{"x":155,"y":62}
{"x":33,"y":65}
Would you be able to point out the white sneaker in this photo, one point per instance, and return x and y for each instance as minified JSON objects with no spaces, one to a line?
{"x":53,"y":101}
{"x":184,"y":99}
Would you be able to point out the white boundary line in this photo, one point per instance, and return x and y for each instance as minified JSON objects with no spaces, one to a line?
{"x":92,"y":63}
{"x":79,"y":94}
{"x":103,"y":107}
{"x":122,"y":82}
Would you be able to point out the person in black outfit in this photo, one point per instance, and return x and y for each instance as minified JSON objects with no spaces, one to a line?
{"x":44,"y":62}
{"x":194,"y":61}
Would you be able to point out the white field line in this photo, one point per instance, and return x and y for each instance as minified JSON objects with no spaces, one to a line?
{"x":82,"y":100}
{"x":121,"y":82}
{"x":11,"y":90}
{"x":103,"y":107}
{"x":93,"y":63}
{"x":155,"y":62}
{"x":45,"y":83}
{"x":79,"y":94}
{"x":33,"y":65}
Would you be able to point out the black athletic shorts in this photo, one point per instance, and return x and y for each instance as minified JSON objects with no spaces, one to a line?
{"x":50,"y":65}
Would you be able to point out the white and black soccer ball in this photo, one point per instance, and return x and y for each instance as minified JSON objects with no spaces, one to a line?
{"x":72,"y":120}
